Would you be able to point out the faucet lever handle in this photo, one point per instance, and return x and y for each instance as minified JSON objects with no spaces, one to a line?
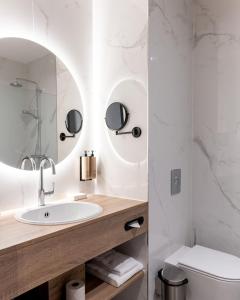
{"x":42,"y":192}
{"x":51,"y":191}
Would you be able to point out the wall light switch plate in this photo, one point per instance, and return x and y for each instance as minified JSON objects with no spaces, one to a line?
{"x":175,"y":181}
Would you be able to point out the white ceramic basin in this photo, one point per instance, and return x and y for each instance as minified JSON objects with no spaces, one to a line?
{"x":62,"y":213}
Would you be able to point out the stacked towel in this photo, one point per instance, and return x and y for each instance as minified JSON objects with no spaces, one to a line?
{"x":114,"y":267}
{"x":116,"y":262}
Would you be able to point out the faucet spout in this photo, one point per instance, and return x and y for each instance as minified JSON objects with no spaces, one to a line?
{"x":33,"y":164}
{"x":42,"y":192}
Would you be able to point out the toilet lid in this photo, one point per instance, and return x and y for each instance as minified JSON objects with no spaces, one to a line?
{"x":214,"y":263}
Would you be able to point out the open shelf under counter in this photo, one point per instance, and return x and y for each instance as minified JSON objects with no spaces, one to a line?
{"x":31,"y":255}
{"x":97,"y":289}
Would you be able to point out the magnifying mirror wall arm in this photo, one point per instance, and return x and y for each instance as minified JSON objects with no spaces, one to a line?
{"x":136,"y":132}
{"x":73,"y":124}
{"x":116,"y":118}
{"x":63,"y":136}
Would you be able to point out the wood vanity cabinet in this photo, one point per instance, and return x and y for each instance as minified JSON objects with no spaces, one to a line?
{"x":43,"y":259}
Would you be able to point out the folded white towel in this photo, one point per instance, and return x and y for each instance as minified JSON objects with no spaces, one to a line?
{"x":111,"y":278}
{"x":115,"y":262}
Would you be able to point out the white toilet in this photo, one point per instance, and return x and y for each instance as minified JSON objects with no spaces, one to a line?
{"x":212,"y":275}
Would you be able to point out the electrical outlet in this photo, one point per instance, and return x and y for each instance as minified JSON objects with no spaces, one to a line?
{"x":175,"y":181}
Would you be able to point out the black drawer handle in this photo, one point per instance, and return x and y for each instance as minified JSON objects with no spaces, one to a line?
{"x":129,"y":225}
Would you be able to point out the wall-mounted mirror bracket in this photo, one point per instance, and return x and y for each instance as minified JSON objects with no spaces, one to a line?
{"x":73,"y":124}
{"x":116,"y":119}
{"x":136,"y":132}
{"x":63,"y":136}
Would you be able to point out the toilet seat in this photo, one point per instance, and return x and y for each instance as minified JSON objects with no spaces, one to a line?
{"x":211,"y":263}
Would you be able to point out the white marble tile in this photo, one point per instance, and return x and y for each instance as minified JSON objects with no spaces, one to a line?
{"x":16,"y":18}
{"x":121,"y":39}
{"x":216,"y":124}
{"x":68,"y":98}
{"x":120,"y":74}
{"x":170,"y":129}
{"x":67,"y":25}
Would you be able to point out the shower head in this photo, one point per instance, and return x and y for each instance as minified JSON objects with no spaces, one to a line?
{"x":16,"y":83}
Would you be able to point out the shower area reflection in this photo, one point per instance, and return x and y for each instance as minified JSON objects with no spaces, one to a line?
{"x":34,"y":112}
{"x":28,"y":115}
{"x":28,"y":101}
{"x":36,"y":93}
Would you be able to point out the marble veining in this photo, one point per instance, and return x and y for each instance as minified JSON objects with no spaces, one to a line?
{"x":121,"y":41}
{"x":159,"y":6}
{"x":40,"y":14}
{"x":209,"y":158}
{"x":216,"y":149}
{"x":160,"y":121}
{"x":218,"y":38}
{"x":72,"y":4}
{"x":170,"y":129}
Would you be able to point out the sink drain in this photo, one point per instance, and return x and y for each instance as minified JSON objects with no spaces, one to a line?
{"x":47,"y":214}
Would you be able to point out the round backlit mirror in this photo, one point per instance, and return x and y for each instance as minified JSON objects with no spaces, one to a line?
{"x":37,"y":94}
{"x":116,"y":116}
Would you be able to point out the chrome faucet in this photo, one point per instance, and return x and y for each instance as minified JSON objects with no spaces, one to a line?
{"x":32,"y":161}
{"x":42,"y":193}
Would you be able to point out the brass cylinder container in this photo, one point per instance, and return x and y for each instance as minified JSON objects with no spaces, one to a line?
{"x":87,"y":168}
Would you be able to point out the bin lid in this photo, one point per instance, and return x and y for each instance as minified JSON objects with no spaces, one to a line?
{"x":172,"y":276}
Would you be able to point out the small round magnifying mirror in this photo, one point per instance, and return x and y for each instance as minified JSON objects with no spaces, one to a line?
{"x":73,"y":124}
{"x":116,"y":116}
{"x":74,"y":121}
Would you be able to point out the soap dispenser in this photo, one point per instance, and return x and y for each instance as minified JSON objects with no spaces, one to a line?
{"x":87,"y":166}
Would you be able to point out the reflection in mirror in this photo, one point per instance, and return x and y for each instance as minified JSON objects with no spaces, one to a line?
{"x":116,"y":116}
{"x":36,"y":92}
{"x":74,"y":121}
{"x":73,"y":124}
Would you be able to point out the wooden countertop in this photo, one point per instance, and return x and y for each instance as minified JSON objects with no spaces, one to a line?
{"x":14,"y":234}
